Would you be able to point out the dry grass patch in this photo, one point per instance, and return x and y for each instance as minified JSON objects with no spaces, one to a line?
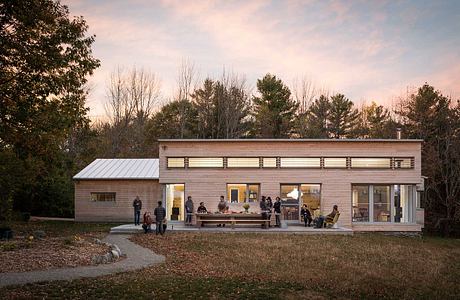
{"x":372,"y":264}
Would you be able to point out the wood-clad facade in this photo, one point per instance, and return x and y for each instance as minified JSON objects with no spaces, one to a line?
{"x":118,"y":210}
{"x":206,"y":184}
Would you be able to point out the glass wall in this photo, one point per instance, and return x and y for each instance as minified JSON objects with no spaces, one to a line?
{"x":294,"y":195}
{"x":242,"y":192}
{"x":174,"y":202}
{"x":384,"y":203}
{"x":404,"y":203}
{"x":361,"y":203}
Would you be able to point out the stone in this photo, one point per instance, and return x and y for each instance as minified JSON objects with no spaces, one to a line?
{"x":106,"y":258}
{"x":39,"y":234}
{"x":97,"y":241}
{"x":96,"y":259}
{"x":117,"y":249}
{"x":115,"y":254}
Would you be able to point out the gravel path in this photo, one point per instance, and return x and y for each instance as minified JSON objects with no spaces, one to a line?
{"x":137,"y":257}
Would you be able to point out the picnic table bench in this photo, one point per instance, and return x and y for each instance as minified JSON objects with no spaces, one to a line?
{"x":230,"y":218}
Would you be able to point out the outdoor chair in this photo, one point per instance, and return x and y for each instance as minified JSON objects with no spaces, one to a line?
{"x":333,"y":223}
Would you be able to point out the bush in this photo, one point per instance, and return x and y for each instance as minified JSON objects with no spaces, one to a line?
{"x":9,"y":246}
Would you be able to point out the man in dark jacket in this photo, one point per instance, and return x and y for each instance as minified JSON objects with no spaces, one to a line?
{"x":277,"y":209}
{"x":188,"y":210}
{"x":160,"y":215}
{"x":306,"y":214}
{"x":137,"y":204}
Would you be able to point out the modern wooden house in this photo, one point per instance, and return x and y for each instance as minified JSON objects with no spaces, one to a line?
{"x":375,"y":183}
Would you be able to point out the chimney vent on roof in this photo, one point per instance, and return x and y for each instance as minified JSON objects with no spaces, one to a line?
{"x":398,"y":133}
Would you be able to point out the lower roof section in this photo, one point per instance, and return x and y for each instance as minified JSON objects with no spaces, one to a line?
{"x":120,"y":168}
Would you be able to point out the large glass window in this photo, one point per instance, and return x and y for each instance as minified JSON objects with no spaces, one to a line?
{"x":175,"y":202}
{"x":361,"y":203}
{"x":294,"y":195}
{"x":404,"y":203}
{"x":242,"y":192}
{"x":300,"y":162}
{"x":372,"y":163}
{"x":205,"y":162}
{"x":242,"y":162}
{"x":382,"y":203}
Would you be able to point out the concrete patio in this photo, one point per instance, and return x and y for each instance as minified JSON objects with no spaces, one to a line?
{"x":286,"y":228}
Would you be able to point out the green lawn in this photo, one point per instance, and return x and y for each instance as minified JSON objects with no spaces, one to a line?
{"x":276,"y":266}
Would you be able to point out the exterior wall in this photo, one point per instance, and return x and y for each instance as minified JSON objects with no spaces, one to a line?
{"x":208,"y":184}
{"x":121,"y":210}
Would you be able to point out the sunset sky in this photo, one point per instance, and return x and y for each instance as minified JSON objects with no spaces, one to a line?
{"x":370,"y":51}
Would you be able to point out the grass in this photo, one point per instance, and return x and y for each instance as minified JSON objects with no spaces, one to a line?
{"x":275,"y":266}
{"x":60,"y":228}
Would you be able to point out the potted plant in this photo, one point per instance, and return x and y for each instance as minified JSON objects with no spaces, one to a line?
{"x":246,"y":207}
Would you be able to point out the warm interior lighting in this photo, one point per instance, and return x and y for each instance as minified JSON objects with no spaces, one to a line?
{"x":300,"y":162}
{"x":176,"y":162}
{"x":205,"y":162}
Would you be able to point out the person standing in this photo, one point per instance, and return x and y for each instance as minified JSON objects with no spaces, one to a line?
{"x":263,"y":210}
{"x":277,"y":210}
{"x":269,"y":209}
{"x":160,"y":215}
{"x":137,"y":204}
{"x":222,"y":207}
{"x":188,"y":210}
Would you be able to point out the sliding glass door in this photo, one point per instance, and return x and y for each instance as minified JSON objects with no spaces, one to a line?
{"x":293,"y":196}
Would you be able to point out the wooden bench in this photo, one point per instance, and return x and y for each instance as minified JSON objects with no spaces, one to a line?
{"x":232,"y":219}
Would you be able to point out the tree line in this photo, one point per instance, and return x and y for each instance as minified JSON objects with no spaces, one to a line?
{"x":46,"y":136}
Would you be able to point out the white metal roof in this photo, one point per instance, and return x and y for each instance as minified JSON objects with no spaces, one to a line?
{"x":121,"y":168}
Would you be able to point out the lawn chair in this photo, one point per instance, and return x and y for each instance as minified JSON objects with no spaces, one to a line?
{"x":333,"y":223}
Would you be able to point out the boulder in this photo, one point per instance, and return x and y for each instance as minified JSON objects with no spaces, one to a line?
{"x":116,"y":248}
{"x":97,"y":241}
{"x":115,"y":254}
{"x":96,"y":259}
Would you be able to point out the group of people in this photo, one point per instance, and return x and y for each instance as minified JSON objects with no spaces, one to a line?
{"x":267,"y":207}
{"x":159,"y":213}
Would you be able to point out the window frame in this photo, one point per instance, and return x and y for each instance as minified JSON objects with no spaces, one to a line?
{"x":206,"y":167}
{"x":175,"y":157}
{"x":299,"y":157}
{"x":243,"y":157}
{"x":114,"y":194}
{"x":390,"y":167}
{"x":323,"y":164}
{"x":246,"y":197}
{"x":411,"y":212}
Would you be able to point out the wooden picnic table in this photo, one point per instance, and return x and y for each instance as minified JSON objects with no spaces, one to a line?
{"x":230,"y":218}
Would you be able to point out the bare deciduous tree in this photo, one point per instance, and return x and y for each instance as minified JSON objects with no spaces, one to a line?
{"x":187,"y":79}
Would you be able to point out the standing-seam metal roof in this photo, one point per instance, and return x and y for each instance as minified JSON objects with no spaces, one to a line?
{"x":121,"y":168}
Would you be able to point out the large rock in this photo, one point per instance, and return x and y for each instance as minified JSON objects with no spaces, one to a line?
{"x":115,"y":254}
{"x":116,"y":248}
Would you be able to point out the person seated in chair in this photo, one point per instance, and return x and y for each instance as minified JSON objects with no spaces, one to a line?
{"x":201,"y":209}
{"x":147,"y":222}
{"x":329,"y":218}
{"x":306,"y":214}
